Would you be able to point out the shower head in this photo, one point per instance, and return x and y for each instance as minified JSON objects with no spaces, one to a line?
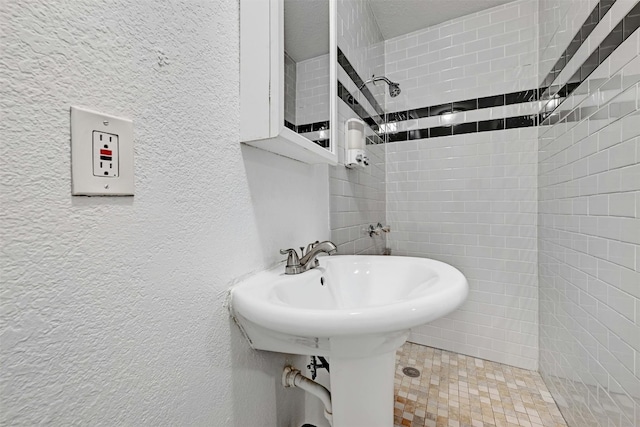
{"x":394,"y":88}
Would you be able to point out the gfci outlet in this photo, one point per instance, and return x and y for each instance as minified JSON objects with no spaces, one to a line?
{"x":101,"y":154}
{"x":105,"y":154}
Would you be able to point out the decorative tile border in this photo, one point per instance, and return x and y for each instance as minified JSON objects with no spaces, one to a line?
{"x":350,"y":100}
{"x":311,"y":131}
{"x":580,"y":37}
{"x":512,"y":98}
{"x":310,"y":127}
{"x":462,"y":128}
{"x":551,"y":113}
{"x":437,"y":110}
{"x":547,"y":114}
{"x":376,"y":122}
{"x":357,"y":80}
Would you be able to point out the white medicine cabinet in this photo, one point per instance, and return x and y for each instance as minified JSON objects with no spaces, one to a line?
{"x":288,"y":83}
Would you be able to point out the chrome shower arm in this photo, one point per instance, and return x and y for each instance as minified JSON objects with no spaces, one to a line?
{"x":376,"y":79}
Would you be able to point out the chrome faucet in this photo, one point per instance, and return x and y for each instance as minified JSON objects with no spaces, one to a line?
{"x":297,"y":265}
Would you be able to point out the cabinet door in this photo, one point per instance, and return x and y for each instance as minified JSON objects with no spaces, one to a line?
{"x":262,"y":86}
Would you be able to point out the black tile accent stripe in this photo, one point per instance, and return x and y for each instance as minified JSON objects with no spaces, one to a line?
{"x":435,"y":110}
{"x":463,"y":128}
{"x":552,"y":113}
{"x":596,"y":15}
{"x":348,"y":98}
{"x":440,"y":131}
{"x":357,"y":80}
{"x":520,"y":97}
{"x":397,"y":136}
{"x":471,"y":127}
{"x":490,"y":125}
{"x":309,"y":127}
{"x":432,"y":111}
{"x":438,"y":110}
{"x":620,"y":33}
{"x":519,"y":122}
{"x":491,"y":101}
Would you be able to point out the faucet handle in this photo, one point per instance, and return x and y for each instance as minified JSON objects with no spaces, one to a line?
{"x":293,"y":261}
{"x":293,"y":258}
{"x":309,"y":247}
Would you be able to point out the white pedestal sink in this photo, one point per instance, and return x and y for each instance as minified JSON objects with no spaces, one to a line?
{"x":357,"y":310}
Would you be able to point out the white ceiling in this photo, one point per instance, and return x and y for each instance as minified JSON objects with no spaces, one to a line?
{"x":307,"y":21}
{"x":398,"y":17}
{"x":306,"y":30}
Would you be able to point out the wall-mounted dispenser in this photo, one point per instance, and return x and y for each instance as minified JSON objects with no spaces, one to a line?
{"x":354,"y":141}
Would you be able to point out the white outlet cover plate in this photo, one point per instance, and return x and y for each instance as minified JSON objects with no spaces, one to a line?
{"x":83,"y":181}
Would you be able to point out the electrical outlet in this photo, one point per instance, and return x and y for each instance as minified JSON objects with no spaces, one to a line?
{"x":101,"y":154}
{"x":105,"y":154}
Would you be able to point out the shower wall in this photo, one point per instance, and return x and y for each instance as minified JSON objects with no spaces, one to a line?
{"x":306,"y":97}
{"x":487,"y":53}
{"x":312,"y":90}
{"x":358,"y":196}
{"x":589,"y":210}
{"x":461,"y":173}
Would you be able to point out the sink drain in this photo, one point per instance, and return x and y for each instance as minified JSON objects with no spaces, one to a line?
{"x":411,"y":372}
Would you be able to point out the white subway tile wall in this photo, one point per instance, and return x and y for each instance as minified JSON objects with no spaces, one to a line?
{"x":360,"y":38}
{"x":589,"y":227}
{"x":312,"y":90}
{"x":357,"y":200}
{"x":487,"y":53}
{"x":559,"y":205}
{"x":358,"y":196}
{"x":470,"y":200}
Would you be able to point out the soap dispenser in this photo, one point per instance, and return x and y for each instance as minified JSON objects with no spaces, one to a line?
{"x":354,"y":138}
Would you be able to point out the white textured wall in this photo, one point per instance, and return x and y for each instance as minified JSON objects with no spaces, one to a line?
{"x":113,"y":308}
{"x":589,"y":227}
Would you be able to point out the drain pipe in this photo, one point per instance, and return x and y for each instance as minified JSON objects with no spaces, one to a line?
{"x":291,"y":377}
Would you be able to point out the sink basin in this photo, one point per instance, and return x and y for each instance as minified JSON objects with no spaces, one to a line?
{"x":355,"y":309}
{"x":347,"y":296}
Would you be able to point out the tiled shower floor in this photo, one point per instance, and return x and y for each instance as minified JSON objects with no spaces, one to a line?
{"x":454,"y":390}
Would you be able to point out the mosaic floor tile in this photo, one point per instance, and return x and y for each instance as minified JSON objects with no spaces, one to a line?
{"x":455,"y":390}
